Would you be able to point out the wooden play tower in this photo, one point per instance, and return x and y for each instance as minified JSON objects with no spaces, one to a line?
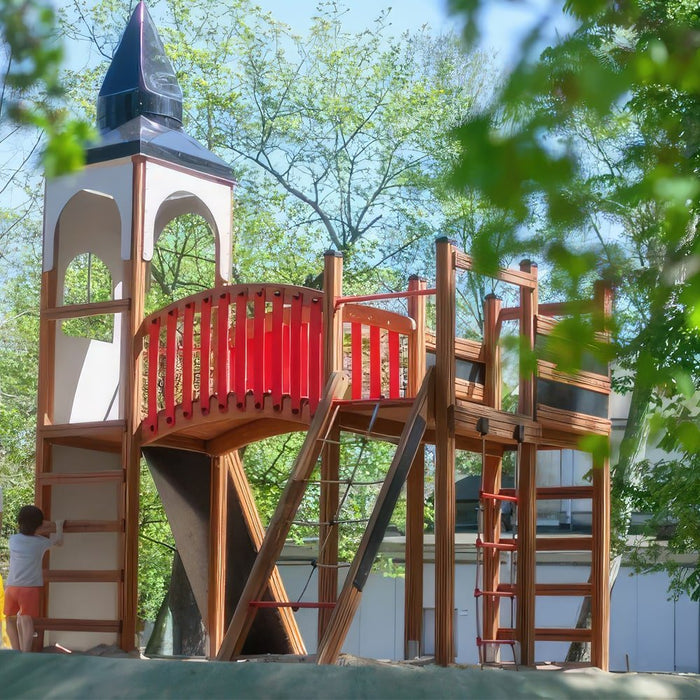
{"x":191,"y":384}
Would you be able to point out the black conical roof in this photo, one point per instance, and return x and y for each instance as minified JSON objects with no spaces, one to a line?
{"x":139,"y":108}
{"x":140,"y":81}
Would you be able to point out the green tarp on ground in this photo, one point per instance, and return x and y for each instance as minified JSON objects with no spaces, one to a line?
{"x":58,"y":676}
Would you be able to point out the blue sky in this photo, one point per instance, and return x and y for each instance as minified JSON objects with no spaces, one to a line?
{"x":504,"y":22}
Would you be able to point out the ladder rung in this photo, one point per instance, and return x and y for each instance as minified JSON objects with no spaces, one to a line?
{"x":494,"y":594}
{"x":87,"y":526}
{"x":75,"y":625}
{"x":80,"y":478}
{"x":83,"y":576}
{"x":498,"y":496}
{"x":482,"y":642}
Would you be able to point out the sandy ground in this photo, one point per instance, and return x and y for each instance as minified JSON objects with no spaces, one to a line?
{"x":76,"y":676}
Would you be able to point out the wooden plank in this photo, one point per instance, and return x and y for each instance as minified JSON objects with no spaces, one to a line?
{"x":553,"y":493}
{"x":600,"y":564}
{"x":328,"y":534}
{"x":520,"y":278}
{"x":465,"y":349}
{"x":583,"y":379}
{"x":527,"y":548}
{"x":216,"y":593}
{"x":113,"y":306}
{"x":131,"y":446}
{"x":409,"y":444}
{"x":332,"y":317}
{"x":551,"y":634}
{"x":83,"y":576}
{"x":445,"y":509}
{"x":570,"y":421}
{"x":81,"y":478}
{"x":76,"y":625}
{"x":98,"y":429}
{"x":380,"y":318}
{"x":281,"y":521}
{"x":415,"y":485}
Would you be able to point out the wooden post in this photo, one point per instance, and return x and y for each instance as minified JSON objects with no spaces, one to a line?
{"x":600,"y":565}
{"x":131,"y":448}
{"x":527,"y":492}
{"x":330,"y":457}
{"x":217,"y":554}
{"x":328,"y":530}
{"x":600,"y":557}
{"x":445,"y":505}
{"x":415,"y":487}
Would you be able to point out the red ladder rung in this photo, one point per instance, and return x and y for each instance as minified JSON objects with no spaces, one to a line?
{"x":494,"y":594}
{"x":498,"y":496}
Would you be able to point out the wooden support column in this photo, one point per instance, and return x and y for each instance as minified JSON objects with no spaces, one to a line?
{"x":600,"y":565}
{"x":491,"y":479}
{"x":217,"y":554}
{"x":600,"y":557}
{"x":330,"y":457}
{"x":445,"y":505}
{"x":328,"y":533}
{"x":415,"y":487}
{"x":131,"y":449}
{"x":527,"y":492}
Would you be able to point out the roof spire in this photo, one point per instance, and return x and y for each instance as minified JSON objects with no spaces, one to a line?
{"x":140,"y":79}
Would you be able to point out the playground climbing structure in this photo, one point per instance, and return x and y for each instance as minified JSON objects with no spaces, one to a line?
{"x":189,"y":385}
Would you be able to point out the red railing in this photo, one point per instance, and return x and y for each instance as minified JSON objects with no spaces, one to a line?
{"x":262,"y":345}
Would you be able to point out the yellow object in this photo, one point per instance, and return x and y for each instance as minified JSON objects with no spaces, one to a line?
{"x":5,"y":639}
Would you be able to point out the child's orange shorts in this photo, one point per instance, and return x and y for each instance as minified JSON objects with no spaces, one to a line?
{"x":23,"y":600}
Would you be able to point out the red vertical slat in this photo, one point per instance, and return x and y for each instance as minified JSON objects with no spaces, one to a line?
{"x":315,"y":353}
{"x":295,"y":354}
{"x":375,"y":363}
{"x":170,"y":360}
{"x":241,"y":347}
{"x":286,"y":363}
{"x":187,"y":359}
{"x":356,"y":359}
{"x":205,"y":355}
{"x":276,"y":349}
{"x":222,"y":357}
{"x":304,"y":359}
{"x":153,"y":371}
{"x":259,"y":349}
{"x":394,"y":364}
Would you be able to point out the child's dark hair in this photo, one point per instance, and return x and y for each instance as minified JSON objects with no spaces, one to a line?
{"x":30,"y":518}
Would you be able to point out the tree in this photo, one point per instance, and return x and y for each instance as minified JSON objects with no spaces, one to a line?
{"x":599,"y":140}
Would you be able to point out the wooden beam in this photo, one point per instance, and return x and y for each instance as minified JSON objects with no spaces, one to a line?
{"x":445,"y":515}
{"x":76,"y":625}
{"x":415,"y":486}
{"x":332,"y":317}
{"x":83,"y":576}
{"x":349,"y":599}
{"x":600,"y":564}
{"x":114,"y":306}
{"x":135,"y":270}
{"x":281,"y":521}
{"x":371,"y":316}
{"x":216,"y":594}
{"x":328,"y":530}
{"x":527,"y":548}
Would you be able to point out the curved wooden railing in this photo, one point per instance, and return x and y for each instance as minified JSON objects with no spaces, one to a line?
{"x":223,"y":347}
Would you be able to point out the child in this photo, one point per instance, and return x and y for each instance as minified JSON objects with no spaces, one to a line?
{"x":25,"y":579}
